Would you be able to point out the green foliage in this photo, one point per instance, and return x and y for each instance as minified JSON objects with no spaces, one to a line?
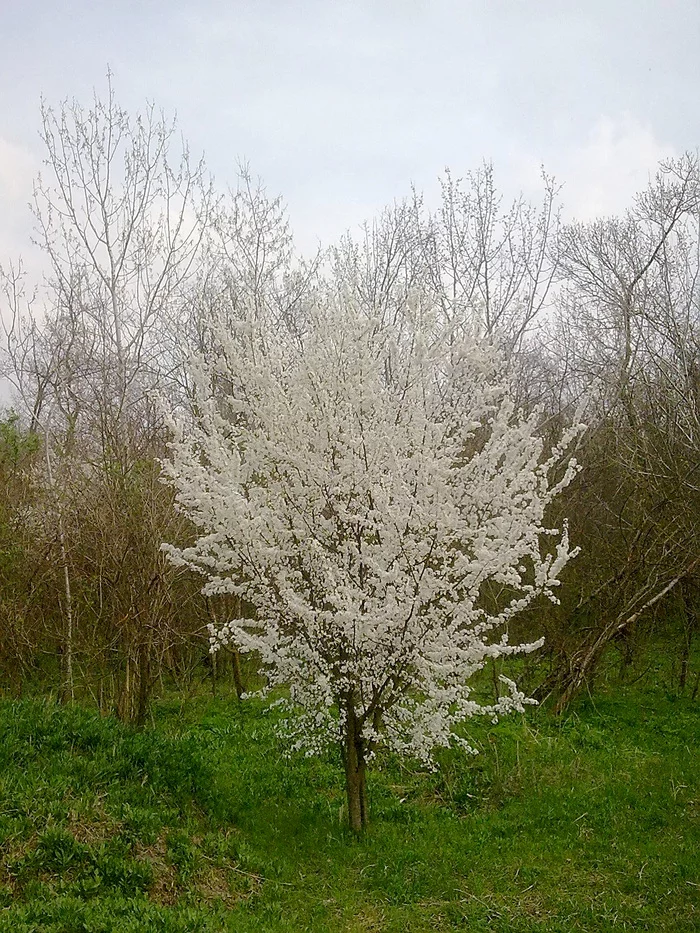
{"x":200,"y":824}
{"x":16,"y":446}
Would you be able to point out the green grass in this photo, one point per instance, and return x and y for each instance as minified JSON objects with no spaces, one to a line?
{"x":200,"y":824}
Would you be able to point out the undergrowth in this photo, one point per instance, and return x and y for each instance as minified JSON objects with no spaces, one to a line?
{"x":200,"y":823}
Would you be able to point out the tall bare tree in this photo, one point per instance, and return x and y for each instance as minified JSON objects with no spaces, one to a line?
{"x":121,"y":212}
{"x":627,"y":341}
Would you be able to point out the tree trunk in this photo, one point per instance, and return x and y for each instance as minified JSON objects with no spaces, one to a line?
{"x":143,"y":664}
{"x":237,"y":674}
{"x":67,"y":684}
{"x":584,"y":661}
{"x":214,"y":661}
{"x":68,"y":690}
{"x":355,"y":772}
{"x":690,"y":619}
{"x":125,"y":701}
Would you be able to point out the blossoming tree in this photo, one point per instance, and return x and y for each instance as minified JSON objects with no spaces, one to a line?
{"x":370,"y":489}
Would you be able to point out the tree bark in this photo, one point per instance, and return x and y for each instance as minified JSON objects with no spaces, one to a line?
{"x":355,"y":771}
{"x":125,"y":701}
{"x":584,"y":661}
{"x":237,"y":673}
{"x":67,"y":685}
{"x":690,"y":620}
{"x":143,"y":666}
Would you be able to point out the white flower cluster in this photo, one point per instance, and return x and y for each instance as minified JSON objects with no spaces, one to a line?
{"x":373,"y":493}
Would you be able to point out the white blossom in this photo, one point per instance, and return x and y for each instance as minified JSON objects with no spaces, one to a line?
{"x":377,"y":499}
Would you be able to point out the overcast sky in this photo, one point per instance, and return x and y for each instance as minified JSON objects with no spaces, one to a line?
{"x":340,"y":106}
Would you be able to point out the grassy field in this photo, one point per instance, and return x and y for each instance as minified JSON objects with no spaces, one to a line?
{"x":199,"y":824}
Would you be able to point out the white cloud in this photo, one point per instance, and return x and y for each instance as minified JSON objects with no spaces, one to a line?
{"x":617,"y":160}
{"x":601,"y":174}
{"x":18,"y":167}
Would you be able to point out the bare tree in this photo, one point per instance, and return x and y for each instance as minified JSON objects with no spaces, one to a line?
{"x":627,"y":340}
{"x":486,"y":266}
{"x":121,"y":213}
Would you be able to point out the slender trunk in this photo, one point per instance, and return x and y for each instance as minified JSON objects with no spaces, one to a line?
{"x":124,"y":706}
{"x":68,"y":684}
{"x":235,"y":654}
{"x":67,"y":687}
{"x":689,"y":628}
{"x":214,"y":659}
{"x":626,"y":654}
{"x":355,"y":772}
{"x":144,"y":678}
{"x":685,"y":656}
{"x":236,"y":657}
{"x":237,"y":674}
{"x":625,"y":374}
{"x":494,"y":680}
